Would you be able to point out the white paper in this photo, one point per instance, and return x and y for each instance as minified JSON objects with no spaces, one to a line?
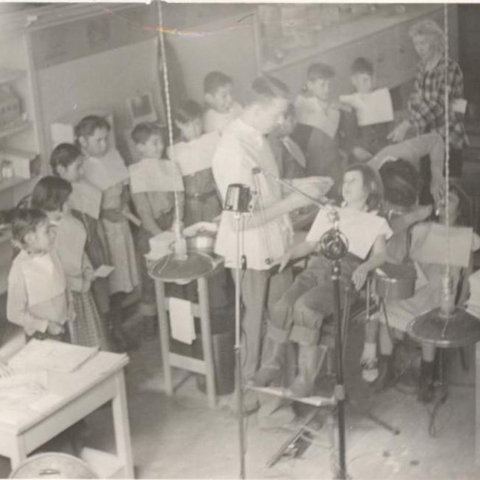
{"x":103,"y":271}
{"x":360,"y":228}
{"x":182,"y":323}
{"x":371,"y":108}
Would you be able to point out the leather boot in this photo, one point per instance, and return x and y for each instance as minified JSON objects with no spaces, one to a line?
{"x":272,"y":362}
{"x":308,"y":368}
{"x":426,"y":385}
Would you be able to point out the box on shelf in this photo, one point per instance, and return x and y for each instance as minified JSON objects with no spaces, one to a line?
{"x":25,"y":164}
{"x":10,"y":107}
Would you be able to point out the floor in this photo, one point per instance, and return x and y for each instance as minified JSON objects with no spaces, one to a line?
{"x":180,"y":437}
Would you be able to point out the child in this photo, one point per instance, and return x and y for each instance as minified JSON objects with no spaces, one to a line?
{"x":66,"y":161}
{"x":37,"y":298}
{"x":290,"y":158}
{"x":220,"y":109}
{"x":153,"y":181}
{"x":319,"y":125}
{"x":51,"y":196}
{"x":428,"y":248}
{"x":367,"y":140}
{"x":193,"y":154}
{"x":105,"y":169}
{"x":299,"y":314}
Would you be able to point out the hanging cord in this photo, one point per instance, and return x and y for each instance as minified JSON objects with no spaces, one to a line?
{"x":446,"y":287}
{"x":169,"y":108}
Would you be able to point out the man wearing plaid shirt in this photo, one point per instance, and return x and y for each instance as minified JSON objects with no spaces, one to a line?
{"x":426,"y":105}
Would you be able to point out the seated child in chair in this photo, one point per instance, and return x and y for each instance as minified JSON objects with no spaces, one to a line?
{"x":428,"y":247}
{"x":299,"y":314}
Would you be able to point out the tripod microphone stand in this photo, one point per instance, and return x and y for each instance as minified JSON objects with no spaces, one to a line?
{"x":334,"y":246}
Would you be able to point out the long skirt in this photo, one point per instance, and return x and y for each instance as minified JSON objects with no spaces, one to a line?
{"x":88,"y":328}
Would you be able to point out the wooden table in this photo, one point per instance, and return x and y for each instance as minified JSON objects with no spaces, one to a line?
{"x":98,"y":381}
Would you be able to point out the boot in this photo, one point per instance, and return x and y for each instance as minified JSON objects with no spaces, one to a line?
{"x":308,"y":368}
{"x":272,"y":362}
{"x":426,"y":386}
{"x":386,"y":373}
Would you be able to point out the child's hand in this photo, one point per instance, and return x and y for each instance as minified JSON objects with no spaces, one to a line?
{"x":55,"y":328}
{"x":361,"y":154}
{"x":399,"y":133}
{"x":359,"y":276}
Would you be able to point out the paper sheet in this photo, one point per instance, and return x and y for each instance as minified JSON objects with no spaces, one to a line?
{"x":360,"y":228}
{"x":182,"y":323}
{"x":103,"y":271}
{"x":442,"y":244}
{"x":371,"y":108}
{"x":51,"y":355}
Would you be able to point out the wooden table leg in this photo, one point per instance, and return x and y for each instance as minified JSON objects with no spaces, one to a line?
{"x":164,"y":335}
{"x":122,"y":426}
{"x":207,"y":340}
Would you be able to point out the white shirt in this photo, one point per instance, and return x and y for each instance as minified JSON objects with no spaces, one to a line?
{"x":240,"y":149}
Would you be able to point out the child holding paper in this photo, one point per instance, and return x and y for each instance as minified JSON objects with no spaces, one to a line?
{"x":85,"y":200}
{"x":371,"y":119}
{"x":153,"y":182}
{"x":299,"y":314}
{"x":51,"y":196}
{"x":37,"y":299}
{"x":193,"y":154}
{"x":105,"y":169}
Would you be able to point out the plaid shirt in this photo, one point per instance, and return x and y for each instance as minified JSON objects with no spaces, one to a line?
{"x":427,"y":103}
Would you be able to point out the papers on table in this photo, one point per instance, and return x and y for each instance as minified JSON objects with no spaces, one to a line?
{"x":51,"y":355}
{"x":182,"y":322}
{"x":371,"y":108}
{"x":360,"y":228}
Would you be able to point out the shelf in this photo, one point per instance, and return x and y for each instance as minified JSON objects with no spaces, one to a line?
{"x":17,"y":128}
{"x":10,"y":75}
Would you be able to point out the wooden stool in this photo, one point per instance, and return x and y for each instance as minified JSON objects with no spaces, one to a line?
{"x":171,"y":359}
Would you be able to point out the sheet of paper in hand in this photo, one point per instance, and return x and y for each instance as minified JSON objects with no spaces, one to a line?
{"x":372,"y":108}
{"x":435,"y":243}
{"x":360,"y":228}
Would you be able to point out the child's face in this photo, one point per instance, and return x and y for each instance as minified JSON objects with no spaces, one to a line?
{"x":363,"y":82}
{"x":97,"y":144}
{"x":41,"y":240}
{"x":152,"y":148}
{"x":353,"y":188}
{"x":424,"y":46}
{"x":191,"y":130}
{"x":73,"y":172}
{"x":222,"y":99}
{"x":320,"y":88}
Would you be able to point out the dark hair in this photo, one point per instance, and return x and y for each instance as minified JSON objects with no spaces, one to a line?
{"x":464,"y":217}
{"x":64,"y":155}
{"x":143,"y":131}
{"x":215,"y":80}
{"x":188,"y":111}
{"x":401,"y":183}
{"x":266,"y":89}
{"x":361,"y":65}
{"x":86,"y":126}
{"x":320,"y":71}
{"x":50,"y":193}
{"x":25,"y":221}
{"x":372,"y":183}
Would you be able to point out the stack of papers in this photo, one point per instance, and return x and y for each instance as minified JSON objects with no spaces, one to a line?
{"x":51,"y":355}
{"x":473,"y":303}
